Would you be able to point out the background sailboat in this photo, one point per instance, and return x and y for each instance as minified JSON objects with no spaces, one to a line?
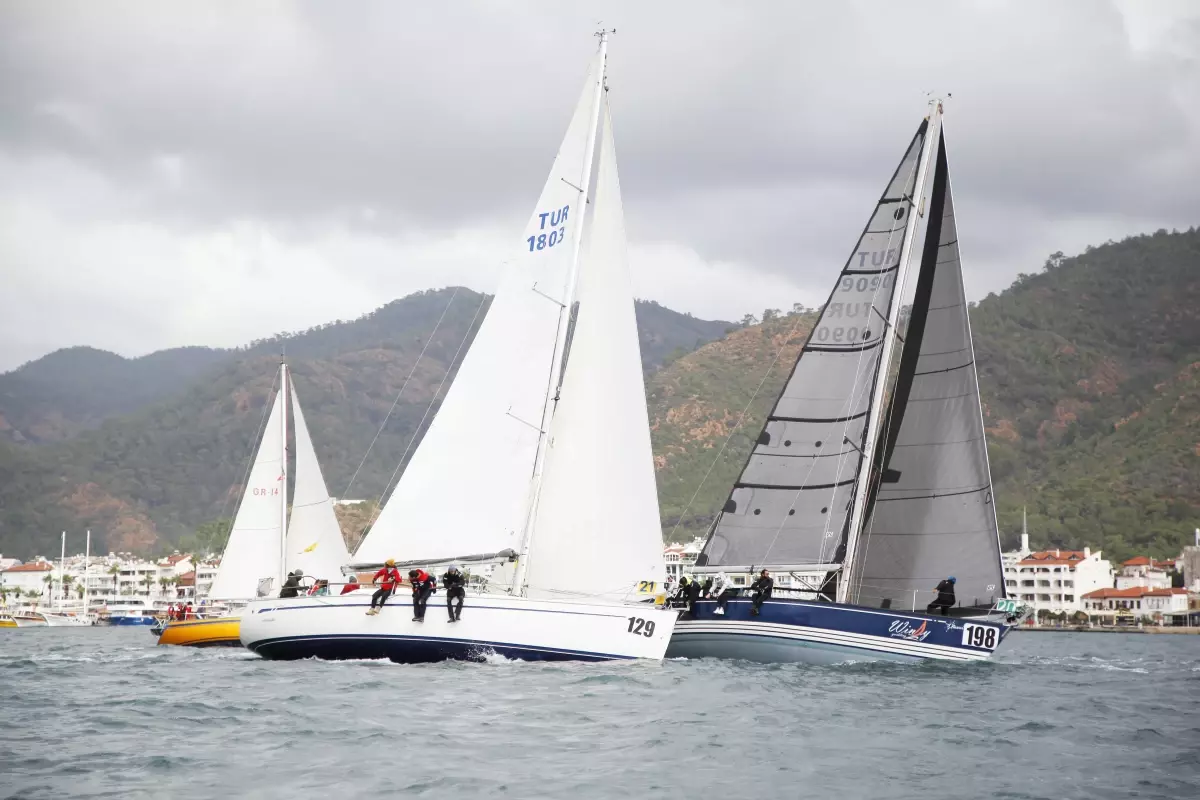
{"x":871,"y":489}
{"x":539,"y":459}
{"x":263,"y":547}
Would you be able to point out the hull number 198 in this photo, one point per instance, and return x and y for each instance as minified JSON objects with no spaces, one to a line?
{"x":644,"y":627}
{"x":979,"y":636}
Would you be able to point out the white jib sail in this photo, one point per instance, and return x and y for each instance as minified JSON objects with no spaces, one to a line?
{"x":252,"y":552}
{"x":464,"y":491}
{"x":314,"y":538}
{"x":597,"y":531}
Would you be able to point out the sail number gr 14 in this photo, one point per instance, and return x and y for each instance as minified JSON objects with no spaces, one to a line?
{"x":641,"y":627}
{"x":554,"y":229}
{"x":984,"y":636}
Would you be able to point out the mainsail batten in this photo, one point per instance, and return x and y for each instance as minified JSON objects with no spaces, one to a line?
{"x":933,"y":513}
{"x":792,"y":502}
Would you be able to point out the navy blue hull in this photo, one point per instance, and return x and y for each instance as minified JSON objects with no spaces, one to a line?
{"x":406,"y":650}
{"x":826,"y":633}
{"x":146,"y":621}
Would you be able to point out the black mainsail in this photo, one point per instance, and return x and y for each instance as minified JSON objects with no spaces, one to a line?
{"x":791,"y":504}
{"x":924,"y":510}
{"x":933,"y":513}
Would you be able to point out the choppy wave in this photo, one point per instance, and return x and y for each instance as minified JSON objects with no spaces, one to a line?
{"x":105,"y":713}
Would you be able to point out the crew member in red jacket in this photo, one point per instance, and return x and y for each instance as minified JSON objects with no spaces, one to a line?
{"x":391,"y":577}
{"x":351,"y":584}
{"x":423,"y":585}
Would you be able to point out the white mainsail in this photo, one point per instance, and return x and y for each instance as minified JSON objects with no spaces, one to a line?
{"x":465,"y":490}
{"x":314,"y":539}
{"x":598,"y":504}
{"x":253,"y":550}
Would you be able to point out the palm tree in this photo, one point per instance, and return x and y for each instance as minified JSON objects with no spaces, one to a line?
{"x":163,"y":583}
{"x":49,"y":581}
{"x":115,"y":571}
{"x":147,"y":581}
{"x":67,"y":580}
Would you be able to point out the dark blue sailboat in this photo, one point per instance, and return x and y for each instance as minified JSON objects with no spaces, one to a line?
{"x":869,"y":482}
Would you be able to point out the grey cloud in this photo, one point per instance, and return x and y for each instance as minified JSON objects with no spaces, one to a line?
{"x":754,"y":133}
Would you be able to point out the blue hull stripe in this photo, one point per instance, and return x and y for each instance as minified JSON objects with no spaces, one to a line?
{"x":412,"y":649}
{"x":796,"y":624}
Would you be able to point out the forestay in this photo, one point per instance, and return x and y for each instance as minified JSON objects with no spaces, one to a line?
{"x":253,"y":550}
{"x":791,"y":503}
{"x":466,"y":488}
{"x":314,"y":540}
{"x":597,"y":531}
{"x":933,"y":514}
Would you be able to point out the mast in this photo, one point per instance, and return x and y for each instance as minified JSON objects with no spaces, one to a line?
{"x":62,"y":566}
{"x":875,"y":420}
{"x":283,"y":388}
{"x":87,"y":555}
{"x":564,"y":316}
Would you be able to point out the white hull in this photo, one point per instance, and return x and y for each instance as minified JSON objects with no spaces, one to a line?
{"x":64,"y":620}
{"x":513,"y":627}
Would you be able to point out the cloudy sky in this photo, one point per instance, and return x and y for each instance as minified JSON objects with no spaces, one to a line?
{"x":208,"y":173}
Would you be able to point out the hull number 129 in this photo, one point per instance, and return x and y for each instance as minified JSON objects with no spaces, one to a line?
{"x":642,"y":627}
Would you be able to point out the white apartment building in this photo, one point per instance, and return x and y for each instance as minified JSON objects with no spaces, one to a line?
{"x":26,"y":578}
{"x":681,"y":558}
{"x":1055,"y":580}
{"x":1136,"y":602}
{"x":1145,"y":572}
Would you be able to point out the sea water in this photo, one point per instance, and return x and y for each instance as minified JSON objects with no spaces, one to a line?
{"x":105,"y":713}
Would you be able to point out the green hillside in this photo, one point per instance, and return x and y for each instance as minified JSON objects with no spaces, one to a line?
{"x":144,"y":478}
{"x":1089,"y":377}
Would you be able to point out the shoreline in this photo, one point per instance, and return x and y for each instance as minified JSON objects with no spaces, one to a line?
{"x":1149,"y":629}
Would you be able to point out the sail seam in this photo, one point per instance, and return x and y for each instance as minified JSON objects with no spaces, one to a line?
{"x":940,"y":371}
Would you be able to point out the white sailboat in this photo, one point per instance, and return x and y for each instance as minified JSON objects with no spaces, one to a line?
{"x":539,"y":459}
{"x":263,"y":546}
{"x":59,"y":618}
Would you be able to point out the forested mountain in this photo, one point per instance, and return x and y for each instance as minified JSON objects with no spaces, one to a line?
{"x":143,"y":456}
{"x":1089,"y":370}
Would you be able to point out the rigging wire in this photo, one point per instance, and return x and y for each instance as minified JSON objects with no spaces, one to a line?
{"x":404,"y":385}
{"x":412,"y":439}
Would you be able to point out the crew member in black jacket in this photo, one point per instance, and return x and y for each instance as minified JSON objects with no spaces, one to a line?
{"x":456,"y":589}
{"x":761,"y":590}
{"x":945,"y":597}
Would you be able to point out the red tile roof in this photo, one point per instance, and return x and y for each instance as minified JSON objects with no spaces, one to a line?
{"x":1132,"y":592}
{"x":1069,"y":557}
{"x":44,"y":566}
{"x":1104,"y":594}
{"x":187,"y":579}
{"x":1145,"y":561}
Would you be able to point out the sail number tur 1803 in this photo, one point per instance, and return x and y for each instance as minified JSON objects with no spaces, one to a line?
{"x":641,"y":627}
{"x":553,"y":225}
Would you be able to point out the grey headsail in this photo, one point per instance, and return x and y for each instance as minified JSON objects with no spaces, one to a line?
{"x":933,"y":514}
{"x":791,"y":503}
